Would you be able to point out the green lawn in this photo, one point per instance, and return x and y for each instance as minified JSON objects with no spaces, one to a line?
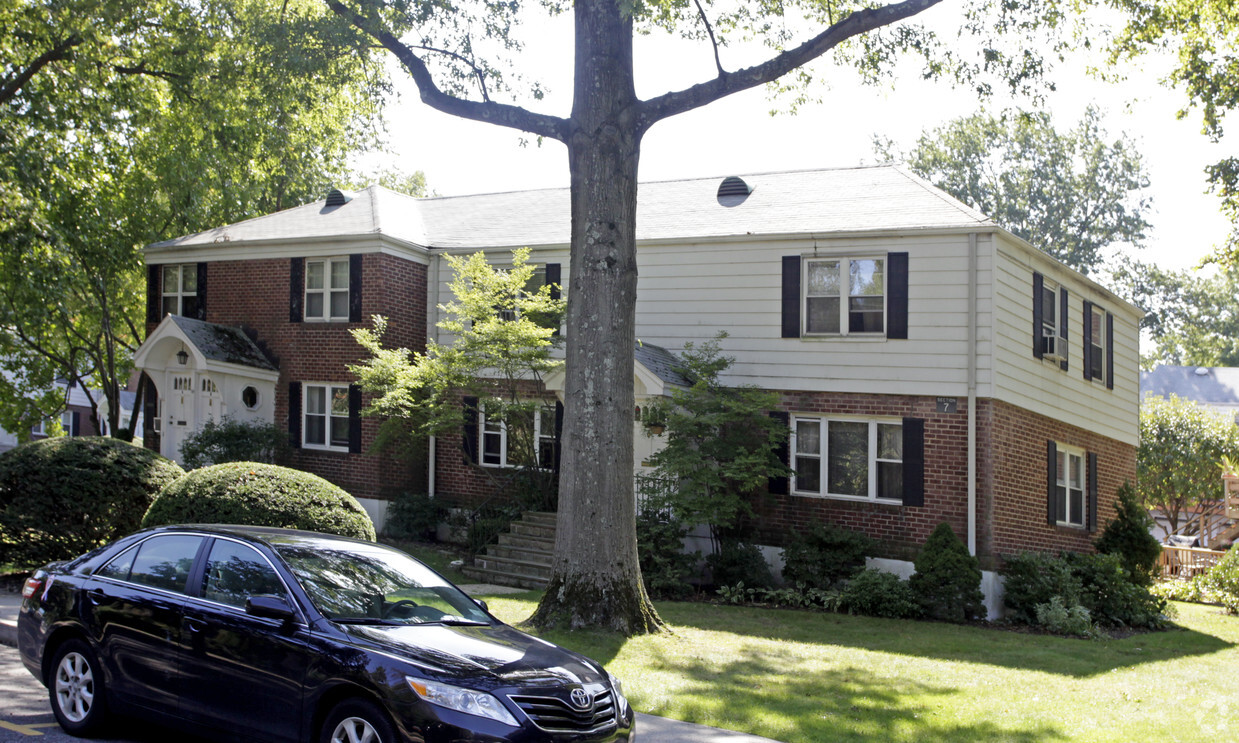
{"x":808,"y":677}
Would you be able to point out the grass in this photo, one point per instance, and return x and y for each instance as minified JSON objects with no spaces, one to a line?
{"x":807,"y":677}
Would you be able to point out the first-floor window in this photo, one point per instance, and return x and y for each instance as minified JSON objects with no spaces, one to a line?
{"x":1070,"y":486}
{"x":528,"y":442}
{"x":848,"y":458}
{"x":326,"y":416}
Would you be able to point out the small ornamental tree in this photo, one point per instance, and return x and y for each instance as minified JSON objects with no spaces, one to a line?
{"x":947,"y":582}
{"x":1128,"y":537}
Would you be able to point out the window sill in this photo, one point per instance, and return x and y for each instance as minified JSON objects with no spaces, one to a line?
{"x":322,"y":448}
{"x":866,"y":337}
{"x":848,"y":498}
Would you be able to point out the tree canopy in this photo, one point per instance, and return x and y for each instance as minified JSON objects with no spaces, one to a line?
{"x":1192,"y":316}
{"x":1073,"y":194}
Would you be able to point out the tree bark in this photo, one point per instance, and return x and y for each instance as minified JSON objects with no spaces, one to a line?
{"x":596,"y":579}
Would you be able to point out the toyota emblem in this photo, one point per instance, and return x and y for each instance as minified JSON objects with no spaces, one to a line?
{"x":581,"y":699}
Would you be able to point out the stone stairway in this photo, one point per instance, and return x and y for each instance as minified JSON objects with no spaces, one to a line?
{"x":522,"y":557}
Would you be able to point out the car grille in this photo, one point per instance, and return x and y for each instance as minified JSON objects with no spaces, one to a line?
{"x":555,"y":714}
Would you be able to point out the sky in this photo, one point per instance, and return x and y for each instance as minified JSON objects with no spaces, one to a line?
{"x":739,"y":136}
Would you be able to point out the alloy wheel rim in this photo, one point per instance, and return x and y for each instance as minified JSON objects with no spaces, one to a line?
{"x":75,"y":687}
{"x":355,"y":730}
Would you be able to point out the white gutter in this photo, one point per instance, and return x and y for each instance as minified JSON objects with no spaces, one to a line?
{"x":432,"y":324}
{"x":972,"y":393}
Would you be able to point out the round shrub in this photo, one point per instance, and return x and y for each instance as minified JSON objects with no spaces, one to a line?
{"x":876,"y":593}
{"x":260,"y":495}
{"x":63,"y":496}
{"x":740,"y":562}
{"x":947,"y":582}
{"x":825,"y":556}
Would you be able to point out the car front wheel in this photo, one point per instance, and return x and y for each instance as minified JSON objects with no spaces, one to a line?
{"x":357,"y":721}
{"x":76,"y":690}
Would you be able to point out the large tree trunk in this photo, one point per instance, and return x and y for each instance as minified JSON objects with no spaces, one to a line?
{"x":596,"y":579}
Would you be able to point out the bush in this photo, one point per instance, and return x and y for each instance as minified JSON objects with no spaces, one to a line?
{"x":483,"y":526}
{"x":740,"y":562}
{"x":63,"y":496}
{"x":877,"y":593}
{"x":1065,"y":620}
{"x":665,"y":567}
{"x":1192,"y":590}
{"x":260,"y":494}
{"x":412,"y":516}
{"x":234,"y":441}
{"x":1112,"y":597}
{"x":1033,"y":578}
{"x":827,"y":555}
{"x":1222,"y":580}
{"x":947,"y":582}
{"x":1129,"y":537}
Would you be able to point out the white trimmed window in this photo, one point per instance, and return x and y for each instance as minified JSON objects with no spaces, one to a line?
{"x":1097,"y":339}
{"x":499,"y":446}
{"x":326,"y":289}
{"x":326,"y":419}
{"x":1049,"y":321}
{"x":1070,"y":486}
{"x":845,"y":296}
{"x":180,"y":290}
{"x":847,"y":458}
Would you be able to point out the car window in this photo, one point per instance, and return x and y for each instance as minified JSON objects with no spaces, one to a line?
{"x":120,"y":565}
{"x":164,"y":561}
{"x":234,"y":572}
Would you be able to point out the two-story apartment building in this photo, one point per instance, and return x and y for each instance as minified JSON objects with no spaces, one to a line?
{"x":931,"y":366}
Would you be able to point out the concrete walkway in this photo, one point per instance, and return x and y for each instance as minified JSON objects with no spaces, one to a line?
{"x":650,"y":729}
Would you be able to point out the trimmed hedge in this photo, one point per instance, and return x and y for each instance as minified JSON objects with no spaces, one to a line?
{"x":259,"y":494}
{"x":63,"y":496}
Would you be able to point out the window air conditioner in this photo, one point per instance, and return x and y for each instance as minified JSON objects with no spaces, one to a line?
{"x":1049,"y":345}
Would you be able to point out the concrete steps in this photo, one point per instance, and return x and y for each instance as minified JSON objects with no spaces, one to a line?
{"x":522,"y":556}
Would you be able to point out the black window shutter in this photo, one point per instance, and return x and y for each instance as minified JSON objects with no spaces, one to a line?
{"x":1109,"y":351}
{"x":294,"y":414}
{"x":1063,"y":345}
{"x":354,"y":419}
{"x":470,"y":433}
{"x":552,"y":280}
{"x":914,"y":462}
{"x":354,"y":287}
{"x":154,"y":295}
{"x":202,"y":290}
{"x":897,"y":295}
{"x":296,"y":290}
{"x":1038,"y":313}
{"x":75,"y":424}
{"x":559,"y":431}
{"x":1092,"y":492}
{"x":1051,"y":487}
{"x":781,"y":485}
{"x":1087,"y":361}
{"x":791,"y":296}
{"x":150,"y":408}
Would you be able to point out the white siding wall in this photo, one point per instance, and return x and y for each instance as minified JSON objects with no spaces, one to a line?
{"x":1041,"y":386}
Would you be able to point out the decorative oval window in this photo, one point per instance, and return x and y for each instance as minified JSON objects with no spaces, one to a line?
{"x":249,"y":397}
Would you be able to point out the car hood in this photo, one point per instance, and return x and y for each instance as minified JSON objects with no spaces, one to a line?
{"x":509,"y":657}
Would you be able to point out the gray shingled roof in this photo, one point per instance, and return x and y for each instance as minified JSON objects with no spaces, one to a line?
{"x":877,"y":198}
{"x":1217,"y":385}
{"x":222,"y":343}
{"x":661,"y":362}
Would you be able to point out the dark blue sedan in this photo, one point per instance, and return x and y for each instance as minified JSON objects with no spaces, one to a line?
{"x":278,"y":635}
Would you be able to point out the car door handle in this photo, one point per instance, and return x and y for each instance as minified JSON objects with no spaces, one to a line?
{"x":94,"y":596}
{"x":195,"y":625}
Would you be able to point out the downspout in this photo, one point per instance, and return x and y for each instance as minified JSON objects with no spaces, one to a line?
{"x":972,"y":394}
{"x":432,"y":323}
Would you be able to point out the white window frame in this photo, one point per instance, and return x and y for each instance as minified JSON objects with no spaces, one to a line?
{"x":499,"y":430}
{"x":1051,"y":322}
{"x":1097,"y":354}
{"x":533,"y":286}
{"x":328,"y":415}
{"x":179,"y":293}
{"x":844,"y":296}
{"x":1065,"y":490}
{"x":822,"y":456}
{"x":325,"y":292}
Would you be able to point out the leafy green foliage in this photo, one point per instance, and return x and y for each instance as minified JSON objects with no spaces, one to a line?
{"x":877,"y":593}
{"x":1128,"y":536}
{"x":1061,"y":619}
{"x":1222,"y":581}
{"x":231,"y":440}
{"x":720,"y":442}
{"x":412,"y":516}
{"x":825,"y":556}
{"x":739,"y":562}
{"x":665,"y":567}
{"x":63,"y":496}
{"x":258,"y":494}
{"x":1034,"y":578}
{"x":1072,"y":194}
{"x":947,"y":582}
{"x":1179,"y":461}
{"x":1191,"y":315}
{"x":1098,"y":583}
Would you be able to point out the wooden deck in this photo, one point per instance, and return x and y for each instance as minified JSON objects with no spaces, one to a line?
{"x":1187,"y":562}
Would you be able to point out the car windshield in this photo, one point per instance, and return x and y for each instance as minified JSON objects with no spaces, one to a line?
{"x":371,"y":584}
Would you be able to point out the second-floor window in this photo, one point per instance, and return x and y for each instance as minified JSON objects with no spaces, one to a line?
{"x":845,"y":296}
{"x":180,"y":290}
{"x":1096,"y":339}
{"x":326,"y":289}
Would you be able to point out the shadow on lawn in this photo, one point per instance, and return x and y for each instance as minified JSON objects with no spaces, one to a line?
{"x":937,"y":640}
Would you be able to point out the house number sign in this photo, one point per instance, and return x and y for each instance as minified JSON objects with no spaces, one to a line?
{"x":948,"y":405}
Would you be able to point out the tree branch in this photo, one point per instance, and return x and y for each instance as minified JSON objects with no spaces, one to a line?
{"x":61,"y":51}
{"x":477,"y":71}
{"x":860,"y":22}
{"x":513,"y":117}
{"x":718,"y":63}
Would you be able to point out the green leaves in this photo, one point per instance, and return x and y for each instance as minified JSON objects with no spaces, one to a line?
{"x":1179,"y":461}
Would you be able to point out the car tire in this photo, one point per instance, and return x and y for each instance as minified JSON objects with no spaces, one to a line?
{"x":75,"y":688}
{"x":357,"y":721}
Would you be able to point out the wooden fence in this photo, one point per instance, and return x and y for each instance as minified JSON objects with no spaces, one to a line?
{"x":1186,"y":562}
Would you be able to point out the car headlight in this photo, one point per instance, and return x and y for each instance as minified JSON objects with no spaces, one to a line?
{"x":621,"y":701}
{"x":462,"y":700}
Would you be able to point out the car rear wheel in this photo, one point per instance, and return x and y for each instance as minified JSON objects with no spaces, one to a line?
{"x":76,"y":690}
{"x":357,"y":721}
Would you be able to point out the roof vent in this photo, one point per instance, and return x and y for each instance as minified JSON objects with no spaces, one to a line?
{"x":336,"y":197}
{"x":1202,"y":371}
{"x":733,"y":191}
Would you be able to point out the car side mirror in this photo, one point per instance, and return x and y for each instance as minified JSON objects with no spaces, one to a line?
{"x":269,"y":607}
{"x":482,"y":604}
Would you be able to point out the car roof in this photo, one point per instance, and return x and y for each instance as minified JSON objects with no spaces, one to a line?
{"x":269,"y":535}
